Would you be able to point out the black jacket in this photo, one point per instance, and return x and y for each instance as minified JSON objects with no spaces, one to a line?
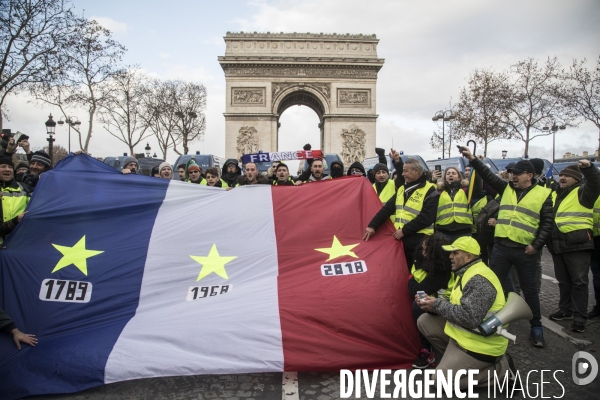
{"x":423,"y":220}
{"x":231,"y":177}
{"x":582,"y":239}
{"x":546,"y":213}
{"x":6,"y":323}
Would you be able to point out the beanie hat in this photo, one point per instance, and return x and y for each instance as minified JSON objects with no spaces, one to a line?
{"x":357,"y":165}
{"x":380,"y":167}
{"x":193,"y":167}
{"x":126,"y":161}
{"x":4,"y":160}
{"x":41,"y":157}
{"x":164,"y":164}
{"x":22,"y":165}
{"x":573,"y":171}
{"x":538,"y":165}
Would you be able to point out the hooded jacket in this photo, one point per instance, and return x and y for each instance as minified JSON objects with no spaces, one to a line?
{"x":358,"y":165}
{"x":333,"y":170}
{"x":231,"y":177}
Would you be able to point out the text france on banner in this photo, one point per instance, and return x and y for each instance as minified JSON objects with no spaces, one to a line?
{"x":126,"y":276}
{"x":282,"y":156}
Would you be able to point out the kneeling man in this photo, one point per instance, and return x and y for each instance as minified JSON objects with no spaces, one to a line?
{"x":476,"y":292}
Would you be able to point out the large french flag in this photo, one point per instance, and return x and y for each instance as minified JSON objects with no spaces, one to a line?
{"x":125,"y":277}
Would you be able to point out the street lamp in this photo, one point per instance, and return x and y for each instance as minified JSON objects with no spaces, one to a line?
{"x":444,"y":115}
{"x":71,"y":121}
{"x":147,"y":148}
{"x":504,"y":153}
{"x":50,"y":129}
{"x":554,"y":128}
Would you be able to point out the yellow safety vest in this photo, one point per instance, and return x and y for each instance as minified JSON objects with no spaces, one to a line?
{"x":494,"y":345}
{"x":419,"y":275}
{"x":414,"y":204}
{"x":572,"y":216}
{"x":597,"y":217}
{"x":203,"y":182}
{"x":453,"y":211}
{"x":14,"y":202}
{"x":388,"y":191}
{"x":476,"y":209}
{"x":224,"y":184}
{"x":520,"y":221}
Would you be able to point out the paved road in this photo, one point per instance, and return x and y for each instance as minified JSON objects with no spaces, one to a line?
{"x":562,"y":344}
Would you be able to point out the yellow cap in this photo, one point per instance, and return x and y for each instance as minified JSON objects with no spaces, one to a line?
{"x":464,"y":243}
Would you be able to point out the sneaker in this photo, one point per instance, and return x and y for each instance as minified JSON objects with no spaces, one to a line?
{"x":424,"y":360}
{"x":595,"y":313}
{"x":578,"y":326}
{"x":537,"y":336}
{"x":559,"y":316}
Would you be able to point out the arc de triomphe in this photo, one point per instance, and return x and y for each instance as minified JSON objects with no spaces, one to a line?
{"x":335,"y":75}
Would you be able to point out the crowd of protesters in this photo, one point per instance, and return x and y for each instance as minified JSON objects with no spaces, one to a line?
{"x":494,"y":226}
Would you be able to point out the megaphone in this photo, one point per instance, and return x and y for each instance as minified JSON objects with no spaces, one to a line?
{"x":514,"y":310}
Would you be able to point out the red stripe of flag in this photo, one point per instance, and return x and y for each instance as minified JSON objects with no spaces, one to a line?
{"x":350,"y":321}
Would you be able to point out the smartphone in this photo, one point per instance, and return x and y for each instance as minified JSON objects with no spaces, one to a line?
{"x":438,"y":167}
{"x":421,"y":294}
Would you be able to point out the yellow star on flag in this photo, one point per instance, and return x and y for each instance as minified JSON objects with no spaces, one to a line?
{"x":76,"y":255}
{"x":337,"y":249}
{"x":212,"y":263}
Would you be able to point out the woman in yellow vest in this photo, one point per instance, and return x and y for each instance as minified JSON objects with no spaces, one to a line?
{"x":431,"y":273}
{"x":454,"y":218}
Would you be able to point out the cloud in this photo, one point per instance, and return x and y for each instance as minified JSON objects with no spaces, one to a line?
{"x":164,"y":55}
{"x":111,"y":24}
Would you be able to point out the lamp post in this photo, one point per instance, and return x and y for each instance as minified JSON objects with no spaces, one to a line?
{"x":504,"y":153}
{"x":147,"y":148}
{"x":71,"y":121}
{"x":50,"y":129}
{"x":444,"y":115}
{"x":554,"y":128}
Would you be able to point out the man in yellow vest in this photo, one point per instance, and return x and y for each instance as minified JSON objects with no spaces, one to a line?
{"x":523,"y":225}
{"x":595,"y":263}
{"x":383,"y":185}
{"x":414,"y":206}
{"x":452,"y":330}
{"x":572,"y":240}
{"x":14,"y":195}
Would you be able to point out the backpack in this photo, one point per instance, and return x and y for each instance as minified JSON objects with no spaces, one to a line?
{"x":485,"y":232}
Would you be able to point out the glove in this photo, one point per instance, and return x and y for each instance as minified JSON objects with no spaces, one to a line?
{"x":307,"y":146}
{"x":379,"y":151}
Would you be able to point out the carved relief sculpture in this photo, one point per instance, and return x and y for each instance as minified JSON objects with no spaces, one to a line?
{"x":353,"y":144}
{"x":248,"y":96}
{"x":349,"y":98}
{"x":247,"y":140}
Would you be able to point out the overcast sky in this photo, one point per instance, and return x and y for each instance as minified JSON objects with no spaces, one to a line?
{"x":430,"y":48}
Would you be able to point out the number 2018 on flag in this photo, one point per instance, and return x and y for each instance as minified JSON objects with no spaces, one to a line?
{"x":65,"y":291}
{"x":347,"y":268}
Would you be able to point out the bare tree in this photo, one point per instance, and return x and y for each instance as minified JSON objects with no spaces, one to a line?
{"x":189,"y":107}
{"x":582,"y":92}
{"x":121,"y":112}
{"x":480,"y":108}
{"x":450,"y":135}
{"x":175,"y":113}
{"x":32,"y":36}
{"x":158,"y":115}
{"x":91,"y":61}
{"x":531,"y":101}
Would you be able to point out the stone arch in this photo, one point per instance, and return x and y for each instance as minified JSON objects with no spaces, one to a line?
{"x":334,"y":75}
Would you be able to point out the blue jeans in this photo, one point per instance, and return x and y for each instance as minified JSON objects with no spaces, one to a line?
{"x":502,"y":259}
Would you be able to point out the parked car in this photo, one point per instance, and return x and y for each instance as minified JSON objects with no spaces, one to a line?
{"x":458,"y":162}
{"x":204,"y":161}
{"x":371,"y":161}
